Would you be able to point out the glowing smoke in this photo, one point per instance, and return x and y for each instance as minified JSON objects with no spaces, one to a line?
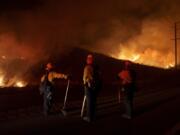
{"x":152,"y":47}
{"x":35,"y":30}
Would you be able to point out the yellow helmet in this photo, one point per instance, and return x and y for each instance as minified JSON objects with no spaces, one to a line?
{"x":89,"y":59}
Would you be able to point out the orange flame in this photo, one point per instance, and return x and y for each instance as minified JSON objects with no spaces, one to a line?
{"x":20,"y":84}
{"x":148,"y":57}
{"x":12,"y":82}
{"x":152,"y":47}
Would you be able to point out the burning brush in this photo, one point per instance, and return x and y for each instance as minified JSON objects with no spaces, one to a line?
{"x":8,"y":77}
{"x":12,"y":82}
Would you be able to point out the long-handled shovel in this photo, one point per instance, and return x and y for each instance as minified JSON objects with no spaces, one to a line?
{"x":63,"y":110}
{"x":83,"y":105}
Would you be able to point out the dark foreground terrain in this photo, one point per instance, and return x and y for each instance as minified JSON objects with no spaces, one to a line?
{"x":156,"y":110}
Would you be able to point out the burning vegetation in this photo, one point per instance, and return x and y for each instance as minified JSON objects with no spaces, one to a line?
{"x":11,"y":82}
{"x":8,"y":76}
{"x":151,"y":47}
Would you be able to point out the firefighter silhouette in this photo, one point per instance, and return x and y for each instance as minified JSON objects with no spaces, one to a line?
{"x":92,"y":85}
{"x":128,"y":88}
{"x":47,"y":87}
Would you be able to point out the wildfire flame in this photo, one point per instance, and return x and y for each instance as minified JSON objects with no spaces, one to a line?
{"x":20,"y":84}
{"x":13,"y":81}
{"x":148,"y":57}
{"x":1,"y":81}
{"x":151,"y":47}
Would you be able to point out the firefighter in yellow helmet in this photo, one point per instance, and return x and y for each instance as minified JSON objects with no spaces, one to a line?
{"x":128,"y":83}
{"x":92,"y":84}
{"x":47,"y":86}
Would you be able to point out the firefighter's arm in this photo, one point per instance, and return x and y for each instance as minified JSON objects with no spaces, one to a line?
{"x":59,"y":75}
{"x":87,"y":77}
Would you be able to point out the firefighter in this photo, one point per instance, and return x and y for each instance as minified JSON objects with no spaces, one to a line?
{"x":128,"y":84}
{"x":47,"y":87}
{"x":92,"y":85}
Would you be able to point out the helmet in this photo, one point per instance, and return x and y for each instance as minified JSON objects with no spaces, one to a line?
{"x":89,"y":59}
{"x":49,"y":66}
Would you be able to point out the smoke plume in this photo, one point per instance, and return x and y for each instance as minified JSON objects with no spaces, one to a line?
{"x":37,"y":30}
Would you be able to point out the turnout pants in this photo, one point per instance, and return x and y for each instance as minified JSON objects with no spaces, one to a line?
{"x":128,"y":100}
{"x":91,"y":102}
{"x":48,"y":100}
